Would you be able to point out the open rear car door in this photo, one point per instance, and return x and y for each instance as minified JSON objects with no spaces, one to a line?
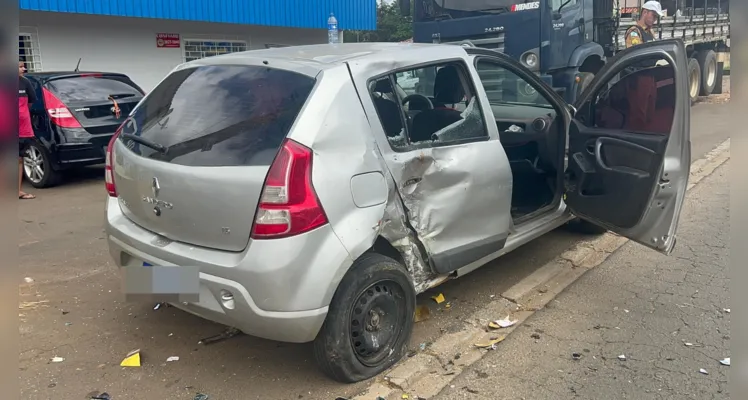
{"x":629,"y":145}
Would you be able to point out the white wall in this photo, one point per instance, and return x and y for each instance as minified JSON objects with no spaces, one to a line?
{"x":128,"y":45}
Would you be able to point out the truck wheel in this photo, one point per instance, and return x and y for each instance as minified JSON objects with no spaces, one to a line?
{"x":708,"y":65}
{"x":370,"y":320}
{"x":694,"y":79}
{"x":585,"y":78}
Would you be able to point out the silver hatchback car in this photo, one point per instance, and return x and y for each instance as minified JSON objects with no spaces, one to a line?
{"x":317,"y":196}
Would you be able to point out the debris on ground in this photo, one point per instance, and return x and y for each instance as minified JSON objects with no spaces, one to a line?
{"x":727,"y":310}
{"x":103,"y":396}
{"x":227,"y":334}
{"x":439,"y":298}
{"x":422,"y":346}
{"x":68,"y":323}
{"x":688,"y":344}
{"x":703,"y":371}
{"x":57,"y":359}
{"x":448,"y":305}
{"x":32,"y":305}
{"x":132,"y":359}
{"x":28,"y":280}
{"x":725,"y":361}
{"x":470,"y":390}
{"x":491,"y":343}
{"x":157,"y":306}
{"x":422,"y":313}
{"x":172,"y":358}
{"x":201,"y":396}
{"x":576,"y":356}
{"x":502,"y":323}
{"x":535,"y":336}
{"x":622,"y":357}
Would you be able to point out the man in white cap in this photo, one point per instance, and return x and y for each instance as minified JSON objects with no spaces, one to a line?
{"x":642,"y":31}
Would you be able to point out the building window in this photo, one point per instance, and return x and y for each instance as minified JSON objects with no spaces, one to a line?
{"x":28,"y":51}
{"x":195,"y":49}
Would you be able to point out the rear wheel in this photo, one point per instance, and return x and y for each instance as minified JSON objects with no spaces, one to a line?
{"x":694,"y":80}
{"x":369,"y":322}
{"x":37,"y":166}
{"x":708,"y":65}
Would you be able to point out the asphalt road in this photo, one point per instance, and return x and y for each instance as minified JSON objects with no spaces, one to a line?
{"x":73,"y":309}
{"x":668,"y":316}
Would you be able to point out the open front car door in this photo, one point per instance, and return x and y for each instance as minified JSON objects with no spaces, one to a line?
{"x":629,"y":149}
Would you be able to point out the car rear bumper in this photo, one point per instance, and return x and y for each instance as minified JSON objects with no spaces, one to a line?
{"x":81,"y":153}
{"x":281,"y":288}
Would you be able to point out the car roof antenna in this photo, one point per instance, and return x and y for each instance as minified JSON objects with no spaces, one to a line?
{"x":77,"y":67}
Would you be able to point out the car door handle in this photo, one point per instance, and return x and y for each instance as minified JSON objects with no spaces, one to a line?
{"x":619,"y":143}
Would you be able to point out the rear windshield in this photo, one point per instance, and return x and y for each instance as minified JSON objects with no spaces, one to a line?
{"x":219,"y":115}
{"x":88,"y":88}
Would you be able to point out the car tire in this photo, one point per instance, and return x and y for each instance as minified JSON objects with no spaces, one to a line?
{"x":578,"y":225}
{"x":708,"y":66}
{"x":694,"y":79}
{"x":369,"y":322}
{"x":37,"y":166}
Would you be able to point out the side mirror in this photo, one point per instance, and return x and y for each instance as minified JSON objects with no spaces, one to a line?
{"x":556,"y":16}
{"x":404,"y":7}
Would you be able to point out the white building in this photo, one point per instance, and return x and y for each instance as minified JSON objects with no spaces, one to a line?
{"x":145,"y":39}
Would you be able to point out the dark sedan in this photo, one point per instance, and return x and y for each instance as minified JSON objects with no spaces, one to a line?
{"x":74,"y":118}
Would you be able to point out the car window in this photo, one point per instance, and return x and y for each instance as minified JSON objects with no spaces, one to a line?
{"x":88,"y":88}
{"x":642,"y":99}
{"x":556,"y":4}
{"x":220,"y":115}
{"x":504,"y":87}
{"x":428,"y":106}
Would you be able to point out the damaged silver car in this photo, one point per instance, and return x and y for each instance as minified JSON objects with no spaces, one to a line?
{"x":318,"y":196}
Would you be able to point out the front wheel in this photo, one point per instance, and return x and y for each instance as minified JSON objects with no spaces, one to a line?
{"x":37,"y":166}
{"x":369,"y":322}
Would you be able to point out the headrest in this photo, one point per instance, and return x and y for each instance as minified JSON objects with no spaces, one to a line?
{"x":447,"y":86}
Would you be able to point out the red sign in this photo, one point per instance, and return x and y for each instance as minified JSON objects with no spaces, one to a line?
{"x":168,"y":40}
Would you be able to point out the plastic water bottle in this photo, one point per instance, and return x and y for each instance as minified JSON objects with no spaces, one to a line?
{"x":332,"y":30}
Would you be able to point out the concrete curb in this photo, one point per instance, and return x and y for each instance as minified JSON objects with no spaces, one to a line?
{"x":428,"y":372}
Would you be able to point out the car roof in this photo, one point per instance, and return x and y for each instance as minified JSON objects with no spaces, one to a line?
{"x":324,"y":56}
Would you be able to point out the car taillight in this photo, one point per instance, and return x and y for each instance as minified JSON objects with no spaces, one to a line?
{"x":58,"y":112}
{"x":289,"y":204}
{"x":111,"y":188}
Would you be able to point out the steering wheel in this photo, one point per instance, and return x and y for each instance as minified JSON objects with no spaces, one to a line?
{"x":420,"y":97}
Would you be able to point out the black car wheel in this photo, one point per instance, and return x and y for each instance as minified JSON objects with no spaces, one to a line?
{"x":37,"y":166}
{"x":369,"y":322}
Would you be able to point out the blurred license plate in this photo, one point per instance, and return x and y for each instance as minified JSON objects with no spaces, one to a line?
{"x":161,"y":283}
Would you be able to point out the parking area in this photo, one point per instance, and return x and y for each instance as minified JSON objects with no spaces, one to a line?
{"x":71,"y":307}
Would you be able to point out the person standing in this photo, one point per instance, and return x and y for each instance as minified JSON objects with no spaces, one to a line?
{"x":26,"y":97}
{"x":642,"y":93}
{"x":642,"y":32}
